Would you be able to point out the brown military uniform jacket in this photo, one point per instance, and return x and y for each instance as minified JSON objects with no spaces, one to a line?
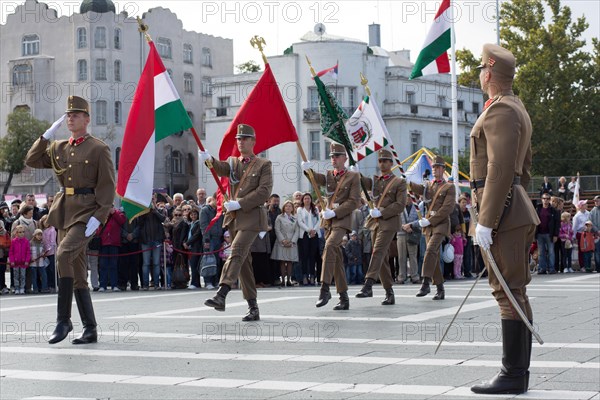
{"x":346,"y":200}
{"x":87,"y":165}
{"x":501,"y":150}
{"x":438,"y":213}
{"x":391,"y":205}
{"x":252,"y":195}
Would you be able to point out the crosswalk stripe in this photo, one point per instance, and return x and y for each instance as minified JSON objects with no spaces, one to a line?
{"x":288,"y":386}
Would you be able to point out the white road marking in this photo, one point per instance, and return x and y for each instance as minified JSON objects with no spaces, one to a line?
{"x":287,"y":386}
{"x":582,"y":277}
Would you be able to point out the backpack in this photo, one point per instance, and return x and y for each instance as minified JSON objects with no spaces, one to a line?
{"x":586,"y":242}
{"x":181,"y":273}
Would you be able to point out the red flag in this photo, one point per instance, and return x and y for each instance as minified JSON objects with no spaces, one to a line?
{"x":265,"y":111}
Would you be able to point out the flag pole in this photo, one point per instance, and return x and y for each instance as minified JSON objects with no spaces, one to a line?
{"x":454,"y":86}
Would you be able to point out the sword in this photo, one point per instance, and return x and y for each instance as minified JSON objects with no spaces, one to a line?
{"x":504,"y":286}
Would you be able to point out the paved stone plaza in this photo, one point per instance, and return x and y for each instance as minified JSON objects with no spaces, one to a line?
{"x":167,"y":345}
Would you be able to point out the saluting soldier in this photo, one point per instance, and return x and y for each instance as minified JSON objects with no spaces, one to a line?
{"x":389,"y":193}
{"x":500,"y":169}
{"x":343,"y":190}
{"x":439,"y":197}
{"x":85,"y":172}
{"x":251,"y":182}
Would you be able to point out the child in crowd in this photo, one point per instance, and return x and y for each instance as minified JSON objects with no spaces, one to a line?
{"x":566,"y":236}
{"x":353,"y":250}
{"x":38,"y":262}
{"x":586,"y":246}
{"x":226,"y":252}
{"x":49,"y":239}
{"x":458,"y":242}
{"x":19,"y":256}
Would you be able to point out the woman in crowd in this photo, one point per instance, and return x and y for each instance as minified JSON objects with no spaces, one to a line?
{"x":195,"y":245}
{"x":286,"y":248}
{"x":579,"y":219}
{"x":308,"y":242}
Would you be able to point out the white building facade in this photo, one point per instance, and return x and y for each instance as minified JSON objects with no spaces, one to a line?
{"x":417,"y":113}
{"x":99,"y":54}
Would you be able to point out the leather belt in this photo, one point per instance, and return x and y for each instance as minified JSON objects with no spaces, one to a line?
{"x":480,"y":183}
{"x":69,"y":191}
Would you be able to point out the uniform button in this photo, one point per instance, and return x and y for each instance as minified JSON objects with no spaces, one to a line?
{"x":57,"y":157}
{"x":70,"y":178}
{"x":86,"y":161}
{"x":72,"y":154}
{"x":70,"y":166}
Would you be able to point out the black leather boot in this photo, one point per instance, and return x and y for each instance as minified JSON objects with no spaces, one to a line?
{"x":63,"y":312}
{"x":324,"y":295}
{"x":441,"y":293}
{"x":425,"y":289}
{"x":218,"y":302}
{"x":86,"y":312}
{"x":253,"y":313}
{"x":389,"y":298}
{"x":513,"y":377}
{"x":344,"y":303}
{"x":367,"y":289}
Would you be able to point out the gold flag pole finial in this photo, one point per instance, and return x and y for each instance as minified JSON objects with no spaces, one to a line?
{"x":259,"y":43}
{"x":143,"y":28}
{"x":364,"y":81}
{"x":312,"y":70}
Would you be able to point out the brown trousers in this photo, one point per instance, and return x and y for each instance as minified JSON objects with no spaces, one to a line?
{"x":431,"y":260}
{"x":511,"y":253}
{"x":71,"y":255}
{"x":380,"y":265}
{"x":333,"y":261}
{"x":239,"y":263}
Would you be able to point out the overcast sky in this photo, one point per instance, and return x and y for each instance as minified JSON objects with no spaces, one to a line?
{"x":404,"y":24}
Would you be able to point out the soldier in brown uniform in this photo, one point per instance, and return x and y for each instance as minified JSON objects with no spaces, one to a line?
{"x":343,"y":189}
{"x":86,"y":175}
{"x":500,"y":169}
{"x":389,"y":193}
{"x":439,"y":196}
{"x":251,"y":181}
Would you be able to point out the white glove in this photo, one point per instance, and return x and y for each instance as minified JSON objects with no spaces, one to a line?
{"x":328,"y":214}
{"x":354,"y":168}
{"x":424,"y":222}
{"x":375,"y":213}
{"x":483,"y":236}
{"x":232,"y":205}
{"x":262,"y":234}
{"x":49,"y":134}
{"x":306,"y":165}
{"x":91,"y":226}
{"x":204,"y":156}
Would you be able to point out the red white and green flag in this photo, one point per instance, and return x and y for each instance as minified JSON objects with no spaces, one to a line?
{"x":156,"y":113}
{"x":433,"y":59}
{"x":366,"y":130}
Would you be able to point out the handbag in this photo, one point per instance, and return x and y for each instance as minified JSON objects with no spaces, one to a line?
{"x":413,"y":237}
{"x":208,"y":266}
{"x":5,"y":241}
{"x":448,"y":253}
{"x":181,"y":273}
{"x":568,"y":244}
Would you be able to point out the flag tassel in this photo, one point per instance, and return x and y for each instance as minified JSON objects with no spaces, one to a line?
{"x":311,"y":177}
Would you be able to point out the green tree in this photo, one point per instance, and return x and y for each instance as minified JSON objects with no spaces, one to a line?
{"x":22,"y":130}
{"x":469,"y":75}
{"x":557,"y":81}
{"x":248,"y":67}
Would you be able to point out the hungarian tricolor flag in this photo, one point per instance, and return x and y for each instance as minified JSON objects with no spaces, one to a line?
{"x":156,"y":112}
{"x":433,"y":59}
{"x":265,"y":111}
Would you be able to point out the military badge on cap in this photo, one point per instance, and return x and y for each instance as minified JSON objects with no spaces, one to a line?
{"x":337,"y":150}
{"x":384,"y":154}
{"x":439,"y":162}
{"x":244,"y":130}
{"x":498,"y":59}
{"x":77,"y":104}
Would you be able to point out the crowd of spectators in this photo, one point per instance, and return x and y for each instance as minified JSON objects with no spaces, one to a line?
{"x":177,"y":235}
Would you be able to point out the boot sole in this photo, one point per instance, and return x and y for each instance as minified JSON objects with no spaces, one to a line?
{"x":208,"y":303}
{"x":323,"y":302}
{"x":361,"y":295}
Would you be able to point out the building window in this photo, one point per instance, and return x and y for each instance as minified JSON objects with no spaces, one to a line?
{"x":100,"y":37}
{"x":415,"y":142}
{"x":82,"y":70}
{"x":224,"y":102}
{"x":188,"y":53}
{"x":22,"y":75}
{"x":315,"y":145}
{"x":206,"y":88}
{"x":188,"y":83}
{"x":100,"y":74}
{"x":460,"y":105}
{"x":117,"y":157}
{"x":443,"y":106}
{"x":117,"y":71}
{"x":164,"y":47}
{"x":313,"y":99}
{"x":176,"y":162}
{"x":476,"y":108}
{"x":445,"y":144}
{"x":326,"y":147}
{"x":81,"y":38}
{"x":117,"y":39}
{"x":411,"y":99}
{"x":101,"y":112}
{"x":118,"y":113}
{"x":31,"y":45}
{"x":206,"y":57}
{"x":352,"y":98}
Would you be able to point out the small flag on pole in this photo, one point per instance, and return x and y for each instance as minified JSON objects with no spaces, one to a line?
{"x":332,"y":72}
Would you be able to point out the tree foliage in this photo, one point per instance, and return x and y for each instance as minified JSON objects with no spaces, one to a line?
{"x":557,"y":80}
{"x":248,"y":67}
{"x":468,"y":63}
{"x":22,"y":130}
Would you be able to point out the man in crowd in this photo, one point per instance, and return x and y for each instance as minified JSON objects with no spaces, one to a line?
{"x":547,"y":234}
{"x":595,"y":218}
{"x":201,"y":197}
